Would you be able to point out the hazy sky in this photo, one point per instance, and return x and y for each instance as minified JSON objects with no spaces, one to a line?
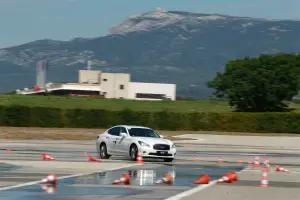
{"x":23,"y":21}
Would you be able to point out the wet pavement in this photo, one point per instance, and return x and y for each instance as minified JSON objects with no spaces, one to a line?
{"x":100,"y":184}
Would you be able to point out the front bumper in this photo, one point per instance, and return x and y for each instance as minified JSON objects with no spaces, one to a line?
{"x":148,"y":152}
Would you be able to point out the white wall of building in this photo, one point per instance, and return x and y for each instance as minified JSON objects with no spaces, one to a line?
{"x":152,"y":88}
{"x":89,"y":76}
{"x":115,"y":85}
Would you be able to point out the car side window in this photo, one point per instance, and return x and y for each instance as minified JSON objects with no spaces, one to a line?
{"x":123,"y":130}
{"x":114,"y":131}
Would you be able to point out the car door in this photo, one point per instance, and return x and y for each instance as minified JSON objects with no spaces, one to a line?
{"x":123,"y":143}
{"x":114,"y":133}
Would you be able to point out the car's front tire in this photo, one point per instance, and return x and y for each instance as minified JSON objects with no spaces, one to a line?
{"x":168,"y":159}
{"x":103,"y":151}
{"x":133,"y":151}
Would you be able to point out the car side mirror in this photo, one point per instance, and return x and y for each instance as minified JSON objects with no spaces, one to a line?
{"x":123,"y":134}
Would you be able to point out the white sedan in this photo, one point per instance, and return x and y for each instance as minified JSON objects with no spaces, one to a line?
{"x":131,"y":140}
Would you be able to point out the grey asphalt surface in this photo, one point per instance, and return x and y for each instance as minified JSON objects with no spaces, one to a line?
{"x":23,"y":164}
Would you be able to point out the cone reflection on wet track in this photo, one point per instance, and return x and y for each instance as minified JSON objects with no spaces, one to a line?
{"x":125,"y":179}
{"x":167,"y":179}
{"x":50,"y":189}
{"x":203,"y":179}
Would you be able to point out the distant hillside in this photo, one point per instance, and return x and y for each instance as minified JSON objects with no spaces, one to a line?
{"x":158,"y":46}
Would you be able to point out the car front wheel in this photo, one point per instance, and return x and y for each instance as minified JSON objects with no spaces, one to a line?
{"x":133,"y":152}
{"x":168,"y":159}
{"x":103,"y":151}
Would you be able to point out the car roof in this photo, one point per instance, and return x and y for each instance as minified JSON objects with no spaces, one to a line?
{"x":133,"y":126}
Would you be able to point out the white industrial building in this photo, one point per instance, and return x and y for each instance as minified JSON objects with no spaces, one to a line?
{"x":107,"y":85}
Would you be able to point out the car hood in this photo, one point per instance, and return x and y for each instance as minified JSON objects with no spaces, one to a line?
{"x":153,"y":141}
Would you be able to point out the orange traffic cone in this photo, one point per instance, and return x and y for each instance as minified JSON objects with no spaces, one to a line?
{"x":50,"y":179}
{"x":234,"y":176}
{"x":203,"y":179}
{"x":50,"y":189}
{"x":139,"y":158}
{"x":228,"y":178}
{"x":281,"y":169}
{"x":47,"y":157}
{"x":167,"y":179}
{"x":124,"y":179}
{"x":256,"y":162}
{"x":93,"y":159}
{"x":264,"y":179}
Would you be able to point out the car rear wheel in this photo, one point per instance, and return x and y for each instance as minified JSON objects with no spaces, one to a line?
{"x":133,"y":152}
{"x":168,"y":159}
{"x":103,"y":151}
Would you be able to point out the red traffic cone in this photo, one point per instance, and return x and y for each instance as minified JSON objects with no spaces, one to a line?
{"x":264,"y":179}
{"x":93,"y":159}
{"x":139,"y":158}
{"x":234,"y":176}
{"x":50,"y":179}
{"x":125,"y":179}
{"x":203,"y":179}
{"x":240,"y":162}
{"x":256,"y":162}
{"x":281,"y":169}
{"x":220,"y":161}
{"x":227,"y":178}
{"x":167,"y":179}
{"x":47,"y":157}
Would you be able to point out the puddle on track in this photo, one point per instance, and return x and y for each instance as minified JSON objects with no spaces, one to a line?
{"x":7,"y":167}
{"x":142,"y":178}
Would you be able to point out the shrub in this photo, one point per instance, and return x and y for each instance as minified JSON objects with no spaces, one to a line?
{"x":22,"y":116}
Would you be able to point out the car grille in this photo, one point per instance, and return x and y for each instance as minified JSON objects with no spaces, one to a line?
{"x":157,"y":154}
{"x":161,"y":147}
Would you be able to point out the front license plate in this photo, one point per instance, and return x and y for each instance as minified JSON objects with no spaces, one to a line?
{"x":163,"y":153}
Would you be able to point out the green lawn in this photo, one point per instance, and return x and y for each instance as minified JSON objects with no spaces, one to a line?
{"x":114,"y":104}
{"x":118,"y":104}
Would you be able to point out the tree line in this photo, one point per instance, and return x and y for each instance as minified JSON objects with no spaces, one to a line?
{"x":262,"y":84}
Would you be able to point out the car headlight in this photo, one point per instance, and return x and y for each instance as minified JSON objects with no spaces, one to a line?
{"x":173,"y":146}
{"x":144,"y":144}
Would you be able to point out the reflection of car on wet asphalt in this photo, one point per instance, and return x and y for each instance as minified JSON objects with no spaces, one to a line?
{"x":131,"y":140}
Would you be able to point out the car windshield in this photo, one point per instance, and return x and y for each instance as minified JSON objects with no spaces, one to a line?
{"x":143,"y":132}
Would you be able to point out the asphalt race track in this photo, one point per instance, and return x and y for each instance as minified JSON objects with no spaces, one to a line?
{"x":21,"y":169}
